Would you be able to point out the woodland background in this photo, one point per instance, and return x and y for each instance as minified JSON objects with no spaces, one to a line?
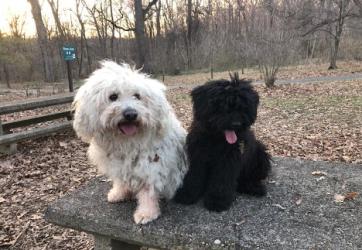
{"x":174,"y":36}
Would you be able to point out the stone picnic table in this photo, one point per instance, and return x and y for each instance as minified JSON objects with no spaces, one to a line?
{"x":299,"y":212}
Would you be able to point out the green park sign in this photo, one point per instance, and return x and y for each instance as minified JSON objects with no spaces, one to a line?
{"x":68,"y":53}
{"x":69,"y":56}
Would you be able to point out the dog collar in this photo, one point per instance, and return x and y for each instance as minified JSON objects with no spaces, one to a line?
{"x":242,"y":146}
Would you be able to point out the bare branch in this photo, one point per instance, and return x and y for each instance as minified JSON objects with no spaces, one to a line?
{"x":113,"y":23}
{"x":149,"y":6}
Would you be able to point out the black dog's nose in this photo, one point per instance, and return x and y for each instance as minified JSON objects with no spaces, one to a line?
{"x":130,"y":114}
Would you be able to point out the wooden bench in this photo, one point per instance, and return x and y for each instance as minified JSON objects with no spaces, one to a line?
{"x":299,"y":212}
{"x":8,"y":140}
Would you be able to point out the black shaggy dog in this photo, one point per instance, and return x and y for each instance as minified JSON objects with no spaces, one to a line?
{"x":223,"y":152}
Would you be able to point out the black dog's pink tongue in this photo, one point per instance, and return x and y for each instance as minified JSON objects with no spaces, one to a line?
{"x":230,"y":136}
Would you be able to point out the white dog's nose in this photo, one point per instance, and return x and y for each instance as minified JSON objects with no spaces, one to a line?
{"x":130,"y":114}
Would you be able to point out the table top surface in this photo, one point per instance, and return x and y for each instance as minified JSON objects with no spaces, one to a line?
{"x":299,"y":212}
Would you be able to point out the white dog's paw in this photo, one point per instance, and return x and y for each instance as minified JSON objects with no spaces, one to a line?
{"x":117,"y":195}
{"x":144,"y":216}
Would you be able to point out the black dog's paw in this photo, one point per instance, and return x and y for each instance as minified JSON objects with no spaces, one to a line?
{"x":217,"y":203}
{"x":184,"y":197}
{"x":257,"y":189}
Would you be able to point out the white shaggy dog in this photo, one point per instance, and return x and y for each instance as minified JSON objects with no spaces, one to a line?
{"x":135,"y":138}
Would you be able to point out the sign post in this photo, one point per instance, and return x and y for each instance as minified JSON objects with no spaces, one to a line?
{"x":69,"y":55}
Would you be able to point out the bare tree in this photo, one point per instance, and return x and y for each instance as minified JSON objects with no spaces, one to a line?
{"x":329,"y":17}
{"x":271,"y":42}
{"x":84,"y":46}
{"x":16,"y":24}
{"x":141,"y":39}
{"x":44,"y":45}
{"x":141,"y":15}
{"x":158,"y":19}
{"x":98,"y":15}
{"x":4,"y":61}
{"x":189,"y":33}
{"x":358,"y":3}
{"x":54,"y":5}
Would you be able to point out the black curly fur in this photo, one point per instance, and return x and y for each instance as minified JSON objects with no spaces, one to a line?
{"x":218,"y":168}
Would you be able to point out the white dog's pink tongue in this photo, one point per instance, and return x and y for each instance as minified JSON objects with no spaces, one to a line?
{"x":230,"y":136}
{"x":128,"y":129}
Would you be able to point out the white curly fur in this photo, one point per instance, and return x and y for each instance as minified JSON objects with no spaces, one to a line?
{"x":148,"y":165}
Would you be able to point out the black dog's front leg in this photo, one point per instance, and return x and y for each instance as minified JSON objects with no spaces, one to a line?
{"x":193,"y":186}
{"x":220,"y":191}
{"x":194,"y":182}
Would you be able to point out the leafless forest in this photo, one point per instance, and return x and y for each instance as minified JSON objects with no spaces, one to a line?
{"x":171,"y":36}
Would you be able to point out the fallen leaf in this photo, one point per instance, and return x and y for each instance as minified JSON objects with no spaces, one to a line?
{"x":350,"y":196}
{"x":36,"y":217}
{"x":279,"y":206}
{"x":319,"y":173}
{"x":240,"y":222}
{"x":217,"y":242}
{"x":320,"y":178}
{"x":299,"y":201}
{"x":338,"y":198}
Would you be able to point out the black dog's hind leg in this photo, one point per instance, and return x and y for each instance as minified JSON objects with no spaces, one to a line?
{"x":220,"y":191}
{"x":255,"y":168}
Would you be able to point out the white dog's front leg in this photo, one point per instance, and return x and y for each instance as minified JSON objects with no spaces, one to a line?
{"x":148,"y":208}
{"x":119,"y":192}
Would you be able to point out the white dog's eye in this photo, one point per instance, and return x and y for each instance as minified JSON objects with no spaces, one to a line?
{"x":137,"y":96}
{"x":113,"y":97}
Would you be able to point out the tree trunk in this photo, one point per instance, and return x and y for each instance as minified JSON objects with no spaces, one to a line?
{"x":48,"y":64}
{"x":334,"y":54}
{"x":84,"y":45}
{"x":61,"y":34}
{"x":81,"y":56}
{"x":142,"y":46}
{"x":55,"y":12}
{"x":113,"y":30}
{"x":7,"y":75}
{"x":158,"y":19}
{"x":343,"y":5}
{"x":100,"y":32}
{"x":189,"y":33}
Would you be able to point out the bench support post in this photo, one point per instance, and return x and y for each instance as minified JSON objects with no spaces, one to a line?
{"x":105,"y":243}
{"x":7,"y":149}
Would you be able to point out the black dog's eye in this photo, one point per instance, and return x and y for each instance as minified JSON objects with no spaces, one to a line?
{"x":113,"y":97}
{"x":137,"y":96}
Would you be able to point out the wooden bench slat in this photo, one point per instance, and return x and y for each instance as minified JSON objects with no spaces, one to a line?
{"x":34,"y":133}
{"x":11,"y":107}
{"x":35,"y":119}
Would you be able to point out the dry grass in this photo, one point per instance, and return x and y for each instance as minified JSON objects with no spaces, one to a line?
{"x":290,"y":72}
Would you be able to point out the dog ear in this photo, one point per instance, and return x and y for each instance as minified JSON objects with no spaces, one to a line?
{"x":253,"y":103}
{"x":200,"y":98}
{"x":200,"y":93}
{"x":84,"y":115}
